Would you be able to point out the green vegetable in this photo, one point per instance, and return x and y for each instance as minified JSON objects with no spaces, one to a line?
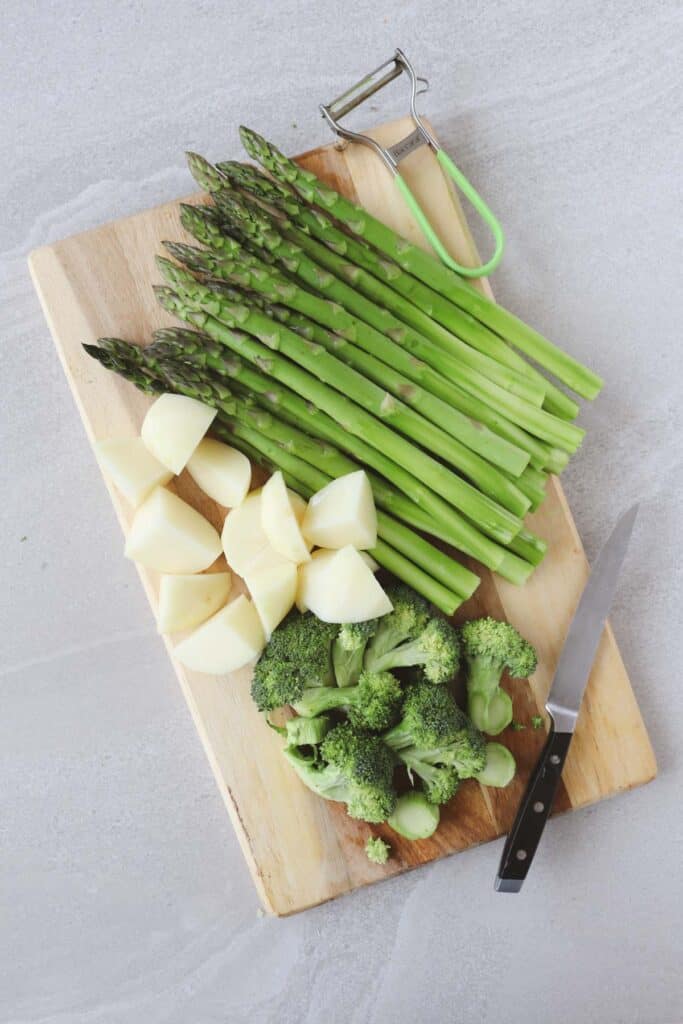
{"x":409,"y":636}
{"x":306,"y":366}
{"x":358,"y":253}
{"x":436,"y":741}
{"x":247,"y":220}
{"x":430,"y":393}
{"x":489,"y":648}
{"x":517,"y":726}
{"x":423,"y":509}
{"x":298,"y":656}
{"x":537,"y":721}
{"x":377,"y":850}
{"x":323,"y":269}
{"x":500,"y":767}
{"x":304,"y":732}
{"x":348,"y":651}
{"x":430,"y":718}
{"x":424,"y":266}
{"x":353,"y":767}
{"x":372,"y":704}
{"x":246,"y":431}
{"x":414,"y":816}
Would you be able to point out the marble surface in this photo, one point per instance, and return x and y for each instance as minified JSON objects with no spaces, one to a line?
{"x":123,"y":894}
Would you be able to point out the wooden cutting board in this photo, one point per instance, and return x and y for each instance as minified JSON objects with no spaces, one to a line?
{"x":302,"y":850}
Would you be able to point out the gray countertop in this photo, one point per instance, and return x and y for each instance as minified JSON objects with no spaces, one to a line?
{"x":123,"y":894}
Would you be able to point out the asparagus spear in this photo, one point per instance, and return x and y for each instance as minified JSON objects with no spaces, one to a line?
{"x":279,"y":291}
{"x":436,"y":311}
{"x":263,"y":230}
{"x":490,"y":480}
{"x":395,"y":489}
{"x":555,"y":431}
{"x":375,"y":405}
{"x":424,"y":266}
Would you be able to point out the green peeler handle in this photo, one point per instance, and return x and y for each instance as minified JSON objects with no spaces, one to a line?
{"x":477,"y":202}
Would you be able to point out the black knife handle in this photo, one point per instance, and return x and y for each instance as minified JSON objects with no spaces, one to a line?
{"x":533,"y":813}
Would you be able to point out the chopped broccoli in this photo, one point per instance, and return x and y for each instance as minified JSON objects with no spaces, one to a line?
{"x":377,"y":850}
{"x":372,"y":704}
{"x":409,"y":617}
{"x":537,"y":721}
{"x":489,"y":648}
{"x":408,"y":636}
{"x":304,"y":732}
{"x":297,"y":656}
{"x":352,"y":767}
{"x":517,"y":726}
{"x":436,"y":741}
{"x":440,"y":781}
{"x":429,"y":718}
{"x":348,"y":650}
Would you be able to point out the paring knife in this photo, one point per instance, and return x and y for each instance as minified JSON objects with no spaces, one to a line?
{"x":563,"y":705}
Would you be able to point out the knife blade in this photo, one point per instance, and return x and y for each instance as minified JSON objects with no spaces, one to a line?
{"x":564,"y":700}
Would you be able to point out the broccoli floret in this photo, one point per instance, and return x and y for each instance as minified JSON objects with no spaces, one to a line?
{"x":429,"y":718}
{"x":348,"y":650}
{"x":440,"y":782}
{"x":409,"y":617}
{"x":436,"y":741}
{"x":352,"y":767}
{"x":297,"y":656}
{"x":372,"y":704}
{"x":377,"y":850}
{"x":408,"y":637}
{"x":465,"y":752}
{"x":303,"y":732}
{"x":489,"y":648}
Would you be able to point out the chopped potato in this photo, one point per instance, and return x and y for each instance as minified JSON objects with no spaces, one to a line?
{"x":338,"y":586}
{"x":173,"y":427}
{"x":279,"y":520}
{"x":273,"y":591}
{"x":169,"y":535}
{"x":131,"y":467}
{"x":245,"y":543}
{"x":229,"y":640}
{"x":221,"y":471}
{"x":186,"y":601}
{"x":342,"y":513}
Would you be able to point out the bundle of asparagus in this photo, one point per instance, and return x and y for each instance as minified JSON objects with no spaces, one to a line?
{"x":328,"y":343}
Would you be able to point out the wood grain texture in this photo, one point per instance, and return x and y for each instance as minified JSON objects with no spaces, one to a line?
{"x":302,"y":850}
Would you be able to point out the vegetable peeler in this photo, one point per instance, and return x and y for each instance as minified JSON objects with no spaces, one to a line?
{"x":393,"y":155}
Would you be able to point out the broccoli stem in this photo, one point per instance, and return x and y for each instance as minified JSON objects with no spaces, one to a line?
{"x":500,"y":767}
{"x":414,"y":817}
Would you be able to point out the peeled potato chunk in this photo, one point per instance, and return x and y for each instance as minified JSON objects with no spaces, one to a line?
{"x":338,"y":586}
{"x":369,"y":561}
{"x":342,"y":513}
{"x":221,"y":471}
{"x":186,"y":601}
{"x":273,"y":591}
{"x":169,"y":535}
{"x":230,"y":639}
{"x":131,"y":467}
{"x":173,"y":427}
{"x":244,"y":540}
{"x":279,"y":520}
